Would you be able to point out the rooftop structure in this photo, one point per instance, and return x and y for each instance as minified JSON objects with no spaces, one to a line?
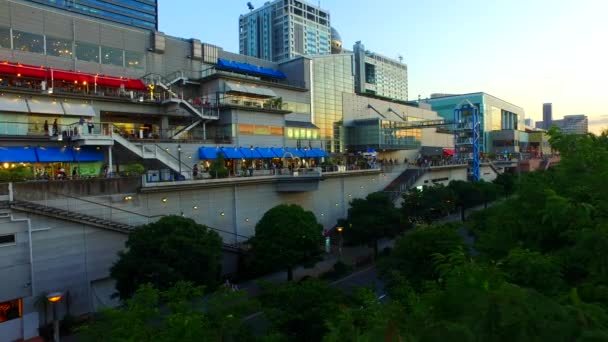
{"x":284,"y":29}
{"x":379,"y":75}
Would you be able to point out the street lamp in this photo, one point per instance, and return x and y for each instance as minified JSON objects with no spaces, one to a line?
{"x":179,"y":160}
{"x":55,"y":298}
{"x":340,"y":229}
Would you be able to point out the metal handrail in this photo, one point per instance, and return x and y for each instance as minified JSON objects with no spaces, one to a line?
{"x":157,"y":147}
{"x":141,"y":215}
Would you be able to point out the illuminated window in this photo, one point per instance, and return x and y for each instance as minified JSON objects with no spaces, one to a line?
{"x":290,"y":133}
{"x":87,"y":52}
{"x":276,"y":130}
{"x":10,"y":310}
{"x":5,"y":37}
{"x":246,"y":129}
{"x":28,"y":42}
{"x":59,"y":47}
{"x":111,"y":56}
{"x":134,"y":59}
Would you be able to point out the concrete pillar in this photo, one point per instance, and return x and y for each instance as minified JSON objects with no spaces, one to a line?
{"x":164,"y":127}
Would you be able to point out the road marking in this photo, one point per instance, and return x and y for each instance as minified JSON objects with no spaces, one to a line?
{"x":351,"y":275}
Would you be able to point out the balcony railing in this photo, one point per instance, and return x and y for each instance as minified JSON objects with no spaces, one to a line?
{"x":286,"y":82}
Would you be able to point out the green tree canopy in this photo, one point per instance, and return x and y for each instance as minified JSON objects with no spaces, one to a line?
{"x":411,"y":257}
{"x":371,"y":219}
{"x":286,"y":236}
{"x":427,"y":205}
{"x":176,"y":314}
{"x":300,"y":310}
{"x":169,"y":250}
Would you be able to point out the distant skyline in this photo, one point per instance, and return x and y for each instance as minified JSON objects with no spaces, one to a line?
{"x":525,"y":52}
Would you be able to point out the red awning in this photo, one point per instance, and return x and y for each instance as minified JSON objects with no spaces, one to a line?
{"x":448,"y":152}
{"x":41,"y":72}
{"x":136,"y":85}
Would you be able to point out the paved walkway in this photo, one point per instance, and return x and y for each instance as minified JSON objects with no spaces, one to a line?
{"x":350,"y":255}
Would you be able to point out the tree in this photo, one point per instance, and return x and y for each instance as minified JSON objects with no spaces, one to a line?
{"x":176,"y":314}
{"x":411,"y":257}
{"x":507,"y":182}
{"x":169,"y":250}
{"x":371,"y":219}
{"x":488,"y":192}
{"x":466,"y":194}
{"x":218,"y":168}
{"x":533,"y":269}
{"x":300,"y":310}
{"x":286,"y":236}
{"x":427,"y":205}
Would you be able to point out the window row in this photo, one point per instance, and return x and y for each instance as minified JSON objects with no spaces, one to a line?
{"x":59,"y":47}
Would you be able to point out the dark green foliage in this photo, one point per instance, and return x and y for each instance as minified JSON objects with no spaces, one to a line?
{"x":177,"y":314}
{"x":427,"y":205}
{"x":16,"y":174}
{"x":411,"y":257}
{"x":285,"y":237}
{"x":299,"y":310}
{"x":371,"y":219}
{"x":167,"y":251}
{"x":218,"y":168}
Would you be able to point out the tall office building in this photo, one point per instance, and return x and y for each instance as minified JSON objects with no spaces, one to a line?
{"x":573,"y":124}
{"x":379,"y":75}
{"x":547,"y":115}
{"x":284,"y":29}
{"x":136,"y":13}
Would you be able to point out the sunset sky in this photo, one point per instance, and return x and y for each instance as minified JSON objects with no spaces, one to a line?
{"x":526,"y":52}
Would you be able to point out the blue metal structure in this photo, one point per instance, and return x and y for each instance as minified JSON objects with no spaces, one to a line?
{"x":467,"y":126}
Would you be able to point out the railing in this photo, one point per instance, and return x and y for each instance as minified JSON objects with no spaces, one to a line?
{"x":110,"y":213}
{"x":287,"y":82}
{"x":251,"y":103}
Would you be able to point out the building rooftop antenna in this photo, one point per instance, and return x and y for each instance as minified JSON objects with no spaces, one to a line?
{"x":400,"y":57}
{"x":250,"y":6}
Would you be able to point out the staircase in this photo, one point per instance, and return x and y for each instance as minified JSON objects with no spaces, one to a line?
{"x":62,"y":214}
{"x":67,"y":215}
{"x":205,"y":115}
{"x":404,"y":181}
{"x":151,"y":152}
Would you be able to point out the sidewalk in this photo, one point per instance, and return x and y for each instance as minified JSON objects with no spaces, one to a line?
{"x":349,"y":255}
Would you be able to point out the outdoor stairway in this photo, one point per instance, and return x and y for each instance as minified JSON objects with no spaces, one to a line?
{"x":40,"y":209}
{"x":404,"y":181}
{"x":152,"y":152}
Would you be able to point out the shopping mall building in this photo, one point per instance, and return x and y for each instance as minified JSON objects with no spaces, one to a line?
{"x":87,"y":88}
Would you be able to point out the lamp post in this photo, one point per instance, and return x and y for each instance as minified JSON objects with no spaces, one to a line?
{"x":179,"y":160}
{"x":55,"y":298}
{"x":340,"y":229}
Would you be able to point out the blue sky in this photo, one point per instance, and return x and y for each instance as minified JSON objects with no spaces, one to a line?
{"x":524,"y":51}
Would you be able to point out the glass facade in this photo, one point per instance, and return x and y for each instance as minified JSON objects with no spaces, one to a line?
{"x":332,"y":76}
{"x":59,"y":47}
{"x":384,"y":134}
{"x":28,"y":42}
{"x":138,"y":13}
{"x":111,"y":56}
{"x":5,"y":37}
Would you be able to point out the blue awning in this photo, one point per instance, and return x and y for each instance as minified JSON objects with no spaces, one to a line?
{"x":321,"y":153}
{"x":208,"y":152}
{"x":311,"y":153}
{"x":266,"y":152}
{"x":250,"y":153}
{"x":278,"y":151}
{"x":232,"y":153}
{"x":295,"y":152}
{"x":14,"y":154}
{"x":54,"y":154}
{"x":249,"y":68}
{"x":88,"y":155}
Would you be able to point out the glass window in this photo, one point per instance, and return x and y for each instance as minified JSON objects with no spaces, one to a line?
{"x":58,"y":47}
{"x":290,"y":133}
{"x":87,"y":52}
{"x":262,"y":130}
{"x":10,"y":310}
{"x":28,"y":42}
{"x":245,"y":129}
{"x":276,"y":130}
{"x":111,"y":56}
{"x":5,"y":37}
{"x":7,"y":239}
{"x":134,"y":59}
